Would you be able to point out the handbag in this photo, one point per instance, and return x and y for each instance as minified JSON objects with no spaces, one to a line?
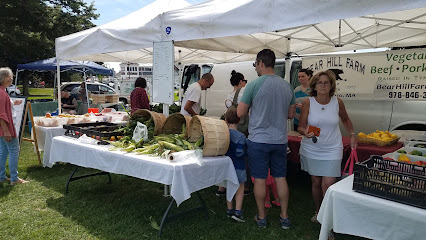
{"x":244,"y":121}
{"x":350,"y":163}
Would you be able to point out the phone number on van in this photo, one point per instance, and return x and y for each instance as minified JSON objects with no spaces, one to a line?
{"x":407,"y":95}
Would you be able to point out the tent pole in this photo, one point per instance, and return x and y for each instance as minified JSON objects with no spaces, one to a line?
{"x":287,"y":76}
{"x":58,"y":75}
{"x":16,"y":78}
{"x":54,"y":85}
{"x":85,"y":87}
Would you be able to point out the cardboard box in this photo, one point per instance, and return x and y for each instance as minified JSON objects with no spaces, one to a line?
{"x":113,"y":98}
{"x":97,"y":98}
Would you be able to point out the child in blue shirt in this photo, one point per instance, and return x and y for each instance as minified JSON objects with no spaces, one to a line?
{"x":236,"y":152}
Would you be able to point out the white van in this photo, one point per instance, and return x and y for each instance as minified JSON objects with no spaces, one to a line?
{"x":366,"y":115}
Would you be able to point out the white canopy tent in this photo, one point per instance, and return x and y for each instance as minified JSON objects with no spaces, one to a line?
{"x":229,"y":31}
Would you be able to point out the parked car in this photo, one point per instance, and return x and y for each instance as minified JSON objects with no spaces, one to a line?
{"x":95,"y":88}
{"x":13,"y":90}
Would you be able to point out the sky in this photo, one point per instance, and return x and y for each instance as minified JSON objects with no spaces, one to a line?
{"x":111,"y":10}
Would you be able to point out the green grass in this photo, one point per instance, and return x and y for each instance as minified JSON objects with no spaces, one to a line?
{"x":38,"y":93}
{"x":94,"y":209}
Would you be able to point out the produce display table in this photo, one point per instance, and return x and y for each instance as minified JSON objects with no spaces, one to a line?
{"x":363,"y":150}
{"x":44,"y":140}
{"x":346,"y":211}
{"x":185,"y":177}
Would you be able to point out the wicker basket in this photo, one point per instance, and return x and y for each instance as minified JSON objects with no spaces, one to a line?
{"x":173,"y":124}
{"x":377,"y":142}
{"x":158,"y":118}
{"x":216,"y":135}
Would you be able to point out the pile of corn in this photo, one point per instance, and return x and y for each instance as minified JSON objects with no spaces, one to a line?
{"x":160,"y":145}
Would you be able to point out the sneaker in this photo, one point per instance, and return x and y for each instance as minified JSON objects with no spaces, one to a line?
{"x":238,"y":216}
{"x":18,"y":181}
{"x":221,"y":193}
{"x":248,"y":192}
{"x":314,"y":218}
{"x":261,"y":222}
{"x":229,"y":212}
{"x":285,"y":222}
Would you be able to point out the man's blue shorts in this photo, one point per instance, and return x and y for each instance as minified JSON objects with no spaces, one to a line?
{"x":264,"y":156}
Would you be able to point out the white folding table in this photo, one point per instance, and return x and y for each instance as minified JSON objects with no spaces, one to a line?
{"x":185,"y":177}
{"x":349,"y":212}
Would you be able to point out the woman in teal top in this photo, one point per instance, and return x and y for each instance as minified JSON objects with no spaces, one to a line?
{"x":301,"y":92}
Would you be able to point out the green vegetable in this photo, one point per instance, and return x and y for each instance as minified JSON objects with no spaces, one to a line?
{"x":166,"y":138}
{"x":200,"y":142}
{"x":203,"y":111}
{"x":171,"y":146}
{"x":179,"y":142}
{"x":130,"y":148}
{"x":188,"y":145}
{"x":183,"y":129}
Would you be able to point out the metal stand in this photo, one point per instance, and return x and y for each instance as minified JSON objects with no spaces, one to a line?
{"x":71,"y":178}
{"x":167,"y":218}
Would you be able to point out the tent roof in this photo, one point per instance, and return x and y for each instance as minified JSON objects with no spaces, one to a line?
{"x":227,"y":31}
{"x":66,"y":65}
{"x":120,"y":40}
{"x":302,"y":27}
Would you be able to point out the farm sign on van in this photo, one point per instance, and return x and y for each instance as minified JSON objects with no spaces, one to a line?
{"x":390,"y":75}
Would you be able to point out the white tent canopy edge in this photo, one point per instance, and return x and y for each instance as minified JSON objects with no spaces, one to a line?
{"x":225,"y":31}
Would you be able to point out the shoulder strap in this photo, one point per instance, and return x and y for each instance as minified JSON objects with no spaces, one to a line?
{"x":237,"y":92}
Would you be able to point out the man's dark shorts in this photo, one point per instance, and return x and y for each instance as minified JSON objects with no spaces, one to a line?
{"x":264,"y":156}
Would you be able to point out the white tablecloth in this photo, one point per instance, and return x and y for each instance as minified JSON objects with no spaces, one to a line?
{"x":346,"y":211}
{"x":184,"y":177}
{"x":44,"y":140}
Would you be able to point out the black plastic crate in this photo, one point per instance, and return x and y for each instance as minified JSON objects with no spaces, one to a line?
{"x":395,"y":181}
{"x":102,"y":130}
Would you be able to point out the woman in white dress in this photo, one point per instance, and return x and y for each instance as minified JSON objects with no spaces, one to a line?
{"x":322,"y":156}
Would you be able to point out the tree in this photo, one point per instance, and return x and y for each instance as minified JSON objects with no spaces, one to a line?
{"x":28,"y":28}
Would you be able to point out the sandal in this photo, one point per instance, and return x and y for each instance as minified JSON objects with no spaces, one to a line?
{"x":18,"y":181}
{"x":276,"y":203}
{"x":314,"y":218}
{"x":331,"y":235}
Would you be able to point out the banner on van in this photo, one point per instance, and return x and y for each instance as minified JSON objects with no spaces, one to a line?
{"x":390,"y":75}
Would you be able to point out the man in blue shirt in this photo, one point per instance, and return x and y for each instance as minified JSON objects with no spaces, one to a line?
{"x":270,"y":100}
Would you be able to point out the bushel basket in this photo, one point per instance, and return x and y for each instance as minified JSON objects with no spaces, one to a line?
{"x":174,"y":122}
{"x":158,"y":119}
{"x":215,"y":132}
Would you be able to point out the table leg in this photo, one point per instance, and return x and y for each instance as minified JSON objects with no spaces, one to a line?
{"x":71,"y":178}
{"x":166,"y":218}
